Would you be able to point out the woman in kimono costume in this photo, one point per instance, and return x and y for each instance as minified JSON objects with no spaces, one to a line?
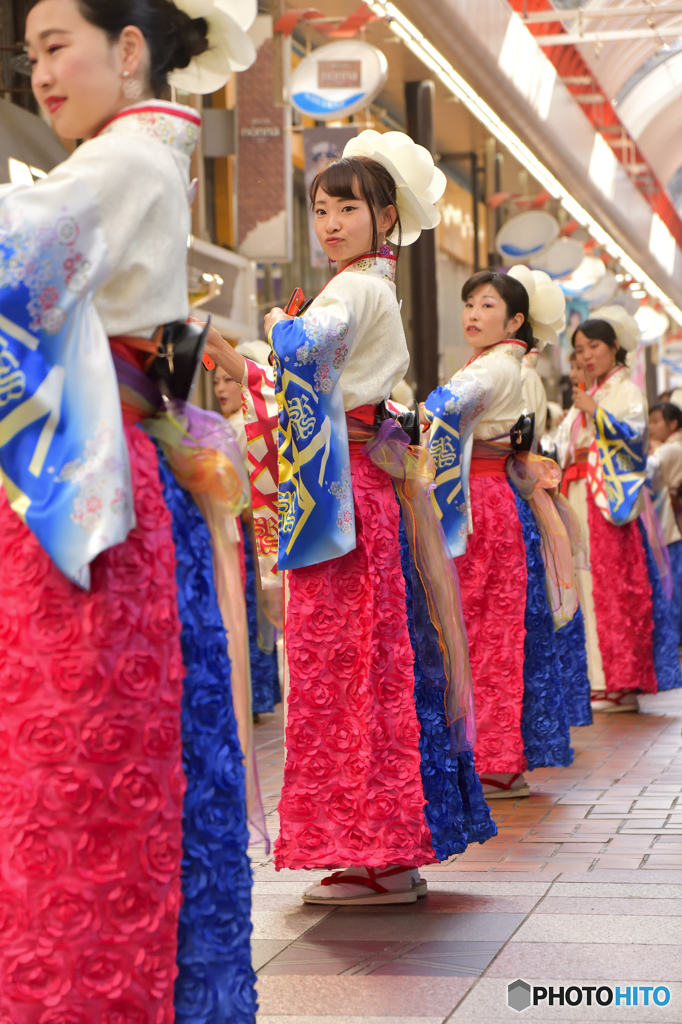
{"x":664,"y":476}
{"x":631,"y":644}
{"x":123,"y":826}
{"x":379,"y":772}
{"x":503,"y":545}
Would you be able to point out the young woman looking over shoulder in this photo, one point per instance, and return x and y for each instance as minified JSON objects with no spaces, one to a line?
{"x":110,"y":632}
{"x":375,"y":776}
{"x":629,"y":634}
{"x":520,"y":707}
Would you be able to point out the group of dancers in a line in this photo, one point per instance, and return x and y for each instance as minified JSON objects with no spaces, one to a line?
{"x":449,"y":607}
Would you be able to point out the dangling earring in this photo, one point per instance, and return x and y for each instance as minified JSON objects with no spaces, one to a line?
{"x":132,"y":87}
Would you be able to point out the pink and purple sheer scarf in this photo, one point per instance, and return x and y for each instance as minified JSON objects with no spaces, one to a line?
{"x":413,"y":471}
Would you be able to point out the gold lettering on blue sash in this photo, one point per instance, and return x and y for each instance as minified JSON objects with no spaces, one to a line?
{"x":12,"y":380}
{"x":46,"y":401}
{"x":300,"y":503}
{"x":444,"y":453}
{"x":302,"y":417}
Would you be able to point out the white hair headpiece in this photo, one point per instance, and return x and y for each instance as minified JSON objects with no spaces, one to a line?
{"x":229,"y":47}
{"x":420,"y":184}
{"x":546,"y":305}
{"x":626,"y":327}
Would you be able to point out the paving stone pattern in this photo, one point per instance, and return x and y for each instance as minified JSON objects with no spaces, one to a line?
{"x":583,"y":884}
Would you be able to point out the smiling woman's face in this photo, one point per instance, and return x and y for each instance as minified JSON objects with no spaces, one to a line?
{"x":78,"y":73}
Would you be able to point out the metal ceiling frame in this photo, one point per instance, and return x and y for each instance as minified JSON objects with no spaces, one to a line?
{"x":583,"y":13}
{"x":608,"y":36}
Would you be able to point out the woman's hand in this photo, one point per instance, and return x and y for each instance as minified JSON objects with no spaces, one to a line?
{"x":583,"y":401}
{"x":273,"y":317}
{"x":222,"y":353}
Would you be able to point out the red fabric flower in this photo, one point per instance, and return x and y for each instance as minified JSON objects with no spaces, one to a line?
{"x":102,"y":853}
{"x":54,"y":624}
{"x":49,"y":738}
{"x":135,"y":791}
{"x":137,"y":674}
{"x":104,"y":973}
{"x":161,"y":853}
{"x":38,"y":976}
{"x":67,"y":915}
{"x":161,"y":737}
{"x":108,"y":739}
{"x":70,"y":793}
{"x":79,"y":678}
{"x":20,"y":677}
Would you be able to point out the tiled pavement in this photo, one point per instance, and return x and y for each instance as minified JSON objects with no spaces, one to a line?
{"x":583,"y":884}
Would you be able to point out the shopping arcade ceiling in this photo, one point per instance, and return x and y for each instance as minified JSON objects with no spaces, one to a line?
{"x":641,"y":76}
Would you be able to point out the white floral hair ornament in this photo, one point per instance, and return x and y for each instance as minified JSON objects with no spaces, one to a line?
{"x":546,"y":306}
{"x":229,"y":46}
{"x":419,"y":183}
{"x":626,"y":327}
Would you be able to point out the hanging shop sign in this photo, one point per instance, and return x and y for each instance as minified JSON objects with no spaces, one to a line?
{"x":264,"y":157}
{"x":338,"y":79}
{"x":321,"y":146}
{"x":455,"y":233}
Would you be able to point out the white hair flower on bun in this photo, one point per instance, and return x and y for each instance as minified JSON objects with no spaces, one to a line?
{"x":419,"y":183}
{"x":229,"y":46}
{"x":626,"y":327}
{"x":546,"y":305}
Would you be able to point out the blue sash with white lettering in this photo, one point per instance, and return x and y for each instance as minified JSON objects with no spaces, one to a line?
{"x":453,"y":410}
{"x":63,"y":457}
{"x":316,"y":516}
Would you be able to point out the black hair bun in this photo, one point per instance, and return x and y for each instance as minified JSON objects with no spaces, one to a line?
{"x":188,"y":37}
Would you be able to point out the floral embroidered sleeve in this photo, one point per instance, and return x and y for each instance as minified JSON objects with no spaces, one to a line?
{"x":62,"y":452}
{"x":454,"y":410}
{"x":316,"y":519}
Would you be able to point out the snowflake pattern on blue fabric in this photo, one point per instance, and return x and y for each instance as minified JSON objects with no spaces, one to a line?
{"x":216,"y":984}
{"x":544,"y":721}
{"x":456,"y":811}
{"x":666,"y":629}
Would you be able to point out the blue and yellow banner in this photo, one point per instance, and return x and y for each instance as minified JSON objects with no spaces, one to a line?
{"x":450,"y":409}
{"x":622,"y":459}
{"x":316,"y":517}
{"x":63,"y":456}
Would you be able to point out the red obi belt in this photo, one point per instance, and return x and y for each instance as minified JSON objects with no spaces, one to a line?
{"x":576,"y":471}
{"x":489,"y":459}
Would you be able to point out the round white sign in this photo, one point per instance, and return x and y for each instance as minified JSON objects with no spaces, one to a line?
{"x":338,"y":79}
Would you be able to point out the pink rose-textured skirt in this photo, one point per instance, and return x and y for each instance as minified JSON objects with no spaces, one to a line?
{"x":91,"y":780}
{"x":352,"y":785}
